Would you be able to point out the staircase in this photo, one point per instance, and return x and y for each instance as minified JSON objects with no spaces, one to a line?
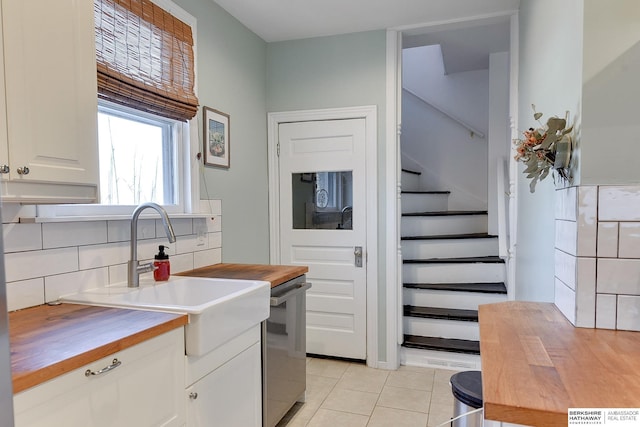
{"x":450,"y":266}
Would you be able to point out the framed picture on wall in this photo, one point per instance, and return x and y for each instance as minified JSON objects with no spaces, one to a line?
{"x":216,"y":138}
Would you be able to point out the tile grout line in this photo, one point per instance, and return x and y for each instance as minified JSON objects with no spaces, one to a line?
{"x":435,"y":383}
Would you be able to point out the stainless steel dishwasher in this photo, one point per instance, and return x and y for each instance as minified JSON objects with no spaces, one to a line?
{"x":284,"y":350}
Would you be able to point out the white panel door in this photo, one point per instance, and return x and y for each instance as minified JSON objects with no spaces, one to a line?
{"x":323,"y":226}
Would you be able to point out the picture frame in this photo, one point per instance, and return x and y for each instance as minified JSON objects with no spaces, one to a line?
{"x":217,"y":138}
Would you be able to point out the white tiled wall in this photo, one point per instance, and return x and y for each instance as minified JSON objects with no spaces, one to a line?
{"x":44,"y":261}
{"x":598,"y":256}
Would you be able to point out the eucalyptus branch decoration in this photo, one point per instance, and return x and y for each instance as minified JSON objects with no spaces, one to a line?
{"x":545,"y":148}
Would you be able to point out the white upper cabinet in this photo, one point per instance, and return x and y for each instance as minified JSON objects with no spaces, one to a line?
{"x":50,"y":143}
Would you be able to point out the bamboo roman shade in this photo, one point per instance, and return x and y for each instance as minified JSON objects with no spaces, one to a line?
{"x":145,"y":58}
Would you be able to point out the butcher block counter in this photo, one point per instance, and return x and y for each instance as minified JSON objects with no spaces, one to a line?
{"x":536,"y":365}
{"x":275,"y":274}
{"x":48,"y":341}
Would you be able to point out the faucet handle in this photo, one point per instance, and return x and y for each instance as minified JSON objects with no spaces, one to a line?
{"x":145,"y":268}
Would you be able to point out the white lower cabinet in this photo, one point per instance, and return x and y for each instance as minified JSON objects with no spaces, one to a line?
{"x":225,"y":385}
{"x":146,"y":389}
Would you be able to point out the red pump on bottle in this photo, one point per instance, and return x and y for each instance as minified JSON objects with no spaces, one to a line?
{"x":162,"y":269}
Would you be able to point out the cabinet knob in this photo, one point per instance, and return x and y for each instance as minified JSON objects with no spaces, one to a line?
{"x":4,"y":169}
{"x":193,"y":395}
{"x":23,"y":170}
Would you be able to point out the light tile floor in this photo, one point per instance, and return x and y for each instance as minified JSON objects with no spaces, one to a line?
{"x":345,"y":394}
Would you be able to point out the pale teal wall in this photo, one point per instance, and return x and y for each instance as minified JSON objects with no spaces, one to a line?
{"x":232,"y":78}
{"x":337,"y":71}
{"x":610,"y":133}
{"x":550,"y":76}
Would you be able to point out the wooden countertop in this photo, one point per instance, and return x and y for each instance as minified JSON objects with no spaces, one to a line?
{"x":536,"y":365}
{"x":275,"y":274}
{"x":48,"y":341}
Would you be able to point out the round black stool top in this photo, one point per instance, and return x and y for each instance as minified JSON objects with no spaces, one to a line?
{"x":467,"y":388}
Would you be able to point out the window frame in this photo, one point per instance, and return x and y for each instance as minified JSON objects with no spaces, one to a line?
{"x":186,"y":139}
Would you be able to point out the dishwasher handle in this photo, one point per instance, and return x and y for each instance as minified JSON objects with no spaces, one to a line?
{"x":302,"y":287}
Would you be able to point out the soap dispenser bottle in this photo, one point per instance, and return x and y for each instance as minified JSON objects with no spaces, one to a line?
{"x":162,"y":268}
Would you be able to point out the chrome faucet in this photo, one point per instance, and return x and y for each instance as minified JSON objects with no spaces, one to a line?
{"x":134,"y":267}
{"x":346,"y":210}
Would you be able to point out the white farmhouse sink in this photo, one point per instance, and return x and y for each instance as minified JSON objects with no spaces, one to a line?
{"x":218,"y":309}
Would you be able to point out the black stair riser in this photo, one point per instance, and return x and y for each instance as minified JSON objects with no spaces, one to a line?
{"x":442,"y":344}
{"x":446,"y":213}
{"x":411,"y":172}
{"x":485,"y":288}
{"x":441,"y":313}
{"x":445,"y":193}
{"x":470,"y":260}
{"x":471,"y":236}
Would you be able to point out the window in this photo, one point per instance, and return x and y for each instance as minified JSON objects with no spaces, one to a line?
{"x":146,"y":87}
{"x":322,"y":200}
{"x":138,"y":157}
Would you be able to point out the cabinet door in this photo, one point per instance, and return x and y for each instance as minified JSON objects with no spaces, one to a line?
{"x":4,"y":148}
{"x":230,"y":396}
{"x":51,"y":92}
{"x":145,"y":390}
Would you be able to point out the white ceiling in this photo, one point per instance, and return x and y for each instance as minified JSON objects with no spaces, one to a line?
{"x":466,"y":49}
{"x":278,"y":20}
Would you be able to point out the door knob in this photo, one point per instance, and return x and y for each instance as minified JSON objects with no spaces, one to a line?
{"x":23,"y":170}
{"x":4,"y":169}
{"x":358,"y":255}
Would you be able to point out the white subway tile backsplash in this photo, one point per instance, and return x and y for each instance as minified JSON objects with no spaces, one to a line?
{"x":181,"y":227}
{"x":618,"y":276}
{"x":25,"y":293}
{"x":599,"y":252}
{"x":120,"y":230}
{"x":619,"y":203}
{"x":209,"y":257}
{"x":47,"y":260}
{"x":191,"y":243}
{"x":96,"y":256}
{"x":71,"y":283}
{"x":117,"y":273}
{"x":586,"y":292}
{"x":147,"y":230}
{"x":565,"y":300}
{"x":32,"y":264}
{"x":587,"y":221}
{"x":214,"y":224}
{"x":566,"y":203}
{"x":147,"y":249}
{"x":565,"y":267}
{"x":215,"y":240}
{"x":629,"y":245}
{"x":21,"y":237}
{"x":567,"y":236}
{"x":607,"y":240}
{"x":200,"y":226}
{"x":606,"y":311}
{"x":182,"y":262}
{"x":63,"y":234}
{"x":628,"y":317}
